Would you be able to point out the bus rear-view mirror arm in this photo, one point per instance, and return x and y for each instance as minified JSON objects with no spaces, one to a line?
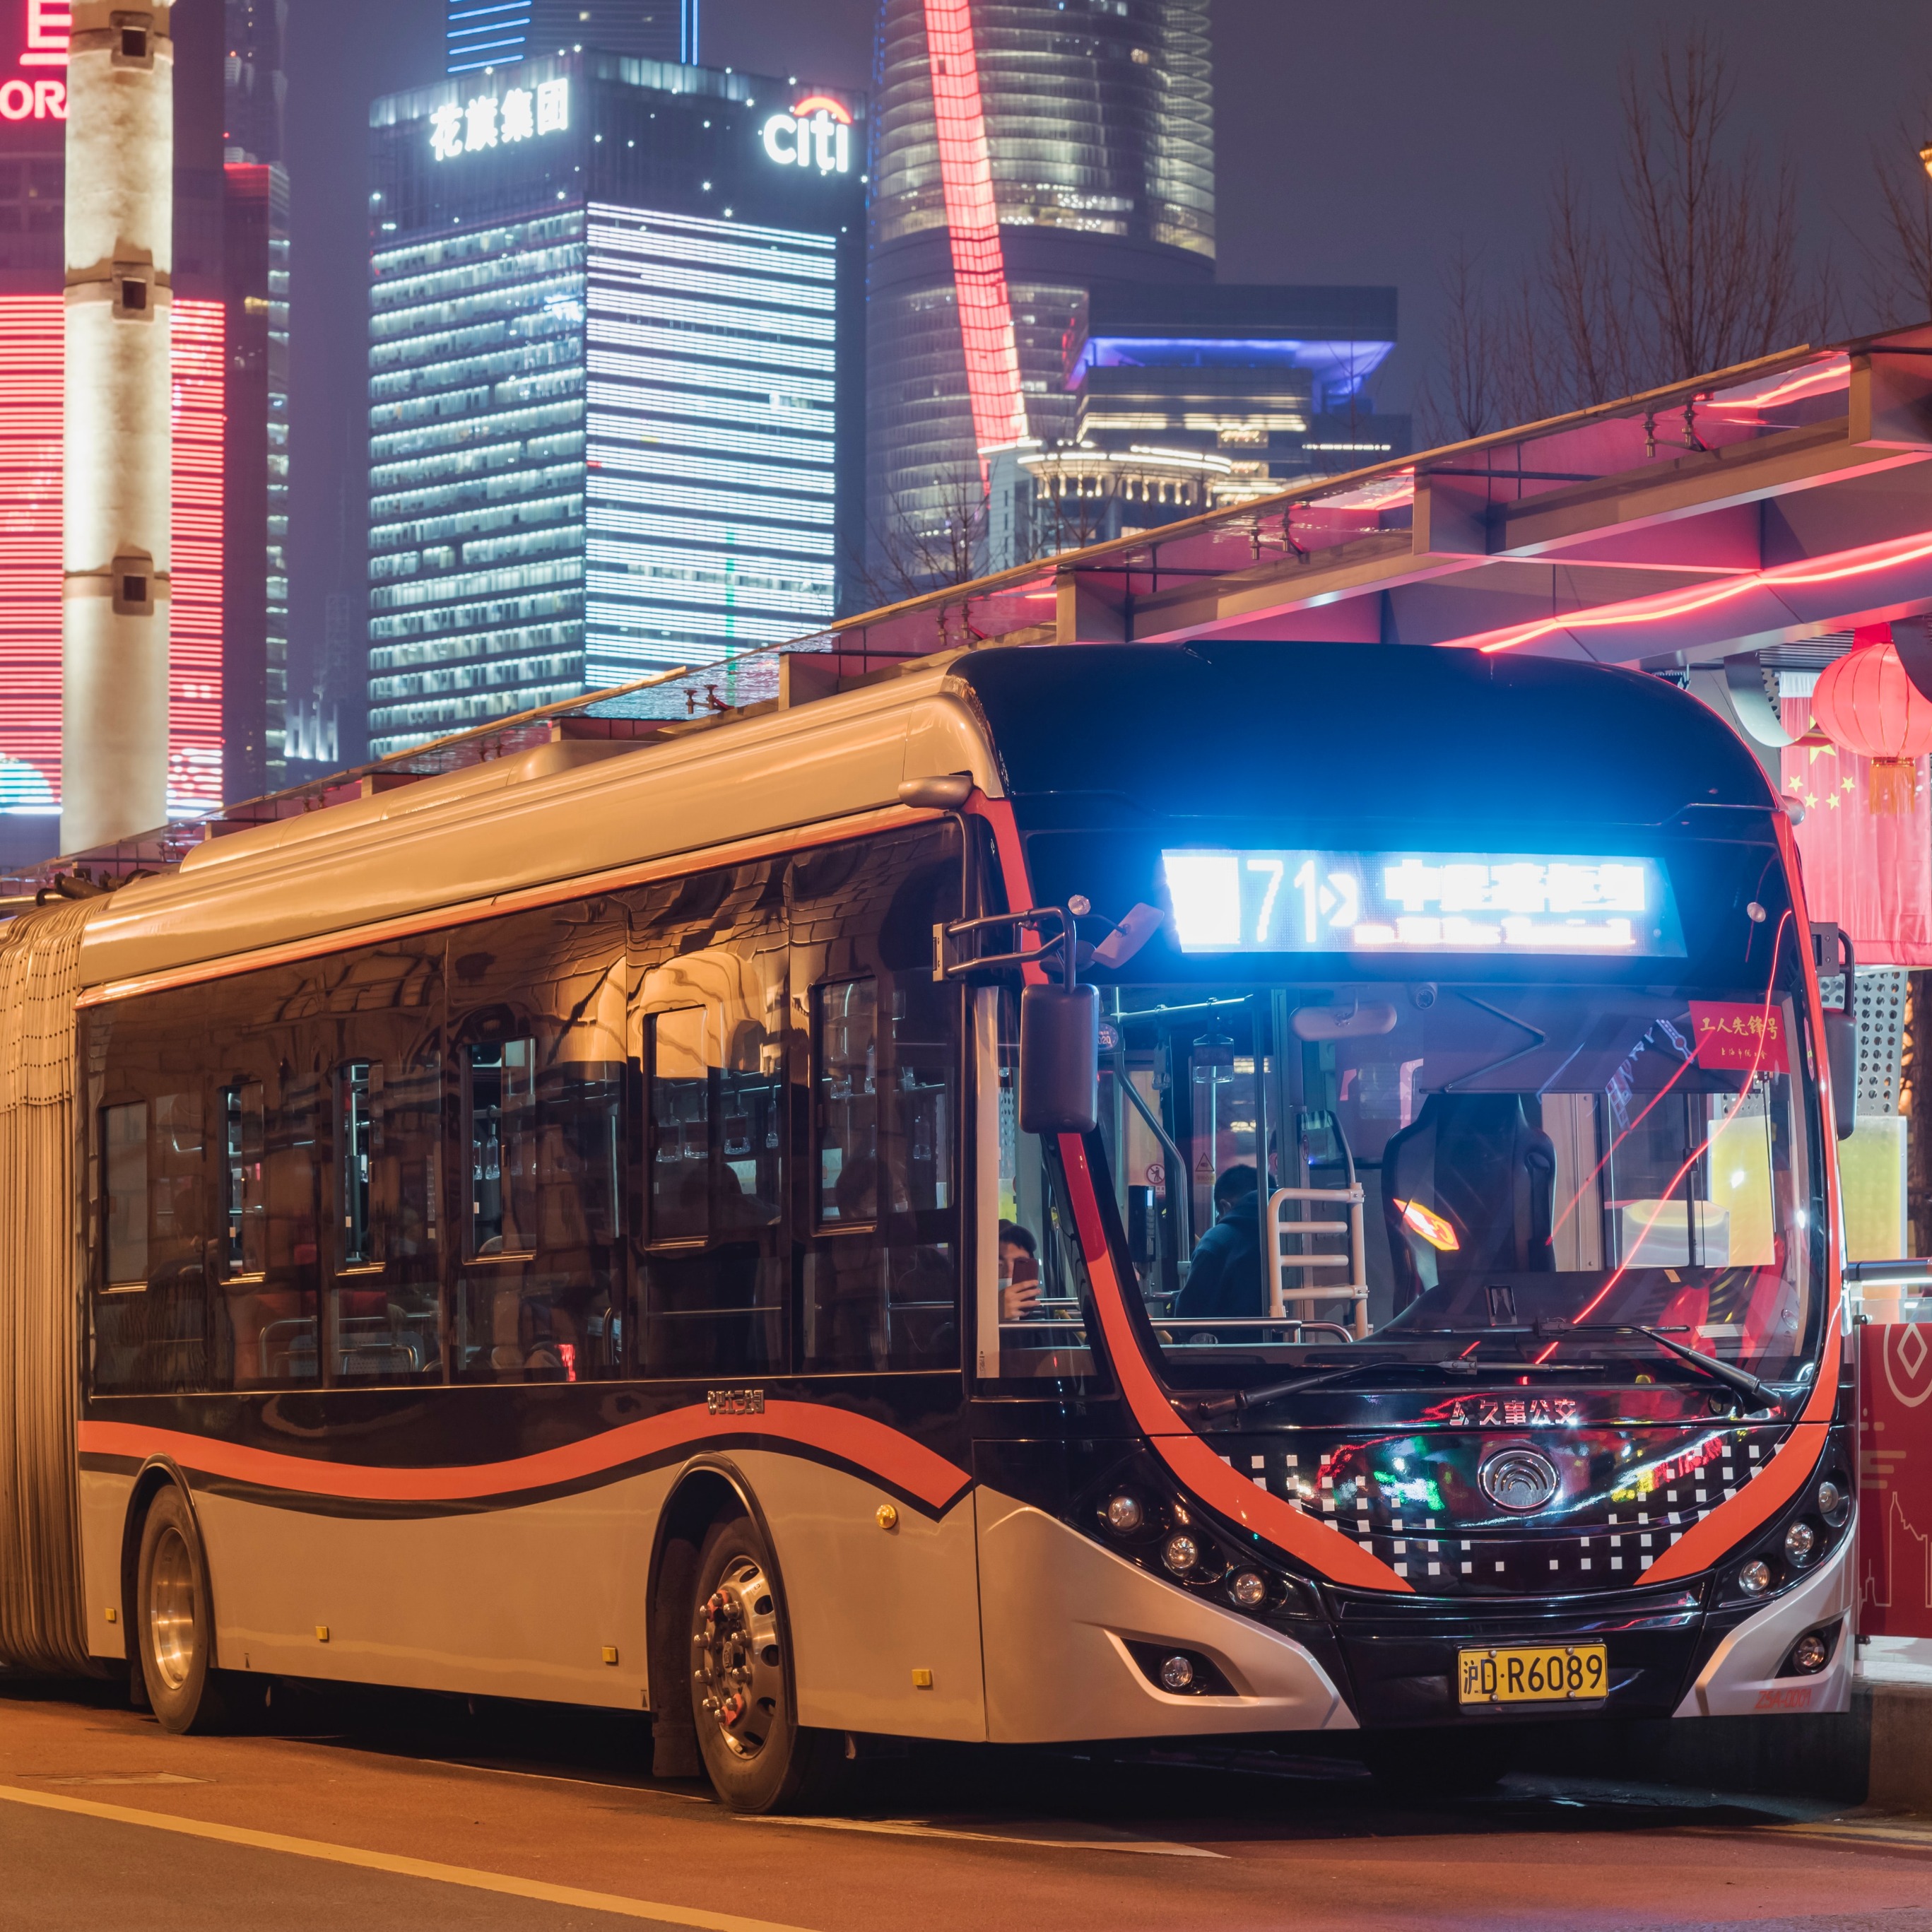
{"x":1060,"y":1025}
{"x":1832,"y":947}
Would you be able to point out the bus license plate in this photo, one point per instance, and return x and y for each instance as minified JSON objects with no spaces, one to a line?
{"x":1532,"y":1673}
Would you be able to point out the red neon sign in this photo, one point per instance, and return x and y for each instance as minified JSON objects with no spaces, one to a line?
{"x":822,"y":103}
{"x":30,"y":366}
{"x":973,"y":221}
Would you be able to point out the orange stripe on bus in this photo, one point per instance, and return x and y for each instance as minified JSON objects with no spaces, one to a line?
{"x":1184,"y":1451}
{"x":894,"y":1458}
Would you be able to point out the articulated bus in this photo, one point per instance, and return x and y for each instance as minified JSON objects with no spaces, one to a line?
{"x":1063,"y":1193}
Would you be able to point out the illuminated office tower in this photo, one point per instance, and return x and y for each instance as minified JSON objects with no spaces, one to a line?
{"x":1025,"y":151}
{"x":482,"y":34}
{"x":616,"y":369}
{"x":227,"y":641}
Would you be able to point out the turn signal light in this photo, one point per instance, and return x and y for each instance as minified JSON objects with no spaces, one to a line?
{"x":1810,"y":1654}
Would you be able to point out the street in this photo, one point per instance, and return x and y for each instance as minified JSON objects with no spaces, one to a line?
{"x":376,"y":1812}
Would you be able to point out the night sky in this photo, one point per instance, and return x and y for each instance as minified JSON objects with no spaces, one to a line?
{"x":1353,"y":144}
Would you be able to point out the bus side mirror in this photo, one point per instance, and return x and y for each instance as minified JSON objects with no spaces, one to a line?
{"x":1059,"y":1059}
{"x":1841,"y":1056}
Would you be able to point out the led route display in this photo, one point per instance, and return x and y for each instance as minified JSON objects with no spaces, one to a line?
{"x":1305,"y":901}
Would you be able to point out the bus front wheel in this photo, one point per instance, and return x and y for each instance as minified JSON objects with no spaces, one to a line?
{"x":757,"y":1756}
{"x":174,"y":1619}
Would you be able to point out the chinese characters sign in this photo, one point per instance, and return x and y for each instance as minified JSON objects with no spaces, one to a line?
{"x":1741,"y":1036}
{"x":1420,"y":902}
{"x":518,"y":114}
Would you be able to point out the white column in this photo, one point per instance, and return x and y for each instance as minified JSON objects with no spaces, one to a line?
{"x":115,"y":544}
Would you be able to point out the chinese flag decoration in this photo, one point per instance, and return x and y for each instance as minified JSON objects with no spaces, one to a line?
{"x":1865,"y":703}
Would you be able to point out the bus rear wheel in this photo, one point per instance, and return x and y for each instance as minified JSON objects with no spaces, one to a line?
{"x":756,"y":1755}
{"x":174,"y":1619}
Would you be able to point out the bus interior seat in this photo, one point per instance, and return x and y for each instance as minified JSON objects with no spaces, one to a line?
{"x":1481,"y":1162}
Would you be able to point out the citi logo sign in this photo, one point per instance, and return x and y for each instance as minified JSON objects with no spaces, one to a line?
{"x":817,"y":132}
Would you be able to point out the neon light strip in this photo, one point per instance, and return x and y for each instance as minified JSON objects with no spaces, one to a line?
{"x":1834,"y":373}
{"x":973,"y":221}
{"x":1684,"y":603}
{"x":31,"y":361}
{"x":199,"y":360}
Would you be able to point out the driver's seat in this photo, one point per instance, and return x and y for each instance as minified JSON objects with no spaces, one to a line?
{"x":1483,"y":1177}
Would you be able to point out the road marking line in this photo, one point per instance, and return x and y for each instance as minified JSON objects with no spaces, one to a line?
{"x":909,"y":1828}
{"x":399,"y":1867}
{"x":645,"y":1790}
{"x":1899,"y":1837}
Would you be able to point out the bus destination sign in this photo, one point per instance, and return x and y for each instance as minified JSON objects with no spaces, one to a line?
{"x":1228,"y":902}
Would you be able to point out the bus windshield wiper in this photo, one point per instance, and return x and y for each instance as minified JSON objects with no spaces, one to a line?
{"x":1742,"y":1380}
{"x":1457,"y":1366}
{"x":1729,"y":1373}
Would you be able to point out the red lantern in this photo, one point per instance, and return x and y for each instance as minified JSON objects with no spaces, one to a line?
{"x":1864,"y":702}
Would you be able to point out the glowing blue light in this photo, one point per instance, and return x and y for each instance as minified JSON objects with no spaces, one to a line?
{"x":1301,"y":901}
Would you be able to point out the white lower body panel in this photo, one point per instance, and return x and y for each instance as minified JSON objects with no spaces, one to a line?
{"x":1739,"y":1680}
{"x":1058,"y":1611}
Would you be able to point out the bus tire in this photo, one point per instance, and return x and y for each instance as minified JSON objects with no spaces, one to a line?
{"x":175,"y":1620}
{"x":757,"y":1756}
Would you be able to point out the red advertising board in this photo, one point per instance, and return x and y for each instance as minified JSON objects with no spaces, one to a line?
{"x":1744,"y":1035}
{"x":1894,"y":1553}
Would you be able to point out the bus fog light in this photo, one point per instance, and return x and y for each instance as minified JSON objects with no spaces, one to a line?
{"x":1754,"y":1578}
{"x":1177,"y":1673}
{"x":1800,"y":1541}
{"x":1124,"y":1514}
{"x":1248,"y":1589}
{"x":1810,"y":1653}
{"x":1180,"y":1553}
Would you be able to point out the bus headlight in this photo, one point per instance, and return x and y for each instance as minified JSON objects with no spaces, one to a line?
{"x":1248,"y":1589}
{"x":1754,"y":1578}
{"x":1125,"y":1516}
{"x":1801,"y":1541}
{"x":1181,"y":1553}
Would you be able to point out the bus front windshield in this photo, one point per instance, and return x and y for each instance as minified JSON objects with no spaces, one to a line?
{"x":1476,"y":1167}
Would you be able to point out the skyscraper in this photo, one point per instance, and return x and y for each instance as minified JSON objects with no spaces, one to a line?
{"x":617,"y":342}
{"x":492,"y":33}
{"x":228,"y":622}
{"x":1024,"y":152}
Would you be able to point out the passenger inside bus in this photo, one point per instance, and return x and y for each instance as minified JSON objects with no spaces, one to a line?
{"x":1225,"y":1278}
{"x":1019,"y":1274}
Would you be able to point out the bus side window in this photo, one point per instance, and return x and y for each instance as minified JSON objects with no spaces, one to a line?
{"x":538,"y":1012}
{"x":157,"y":1326}
{"x":123,"y":1153}
{"x":245,"y":1207}
{"x":882,"y":1256}
{"x":712,"y":1278}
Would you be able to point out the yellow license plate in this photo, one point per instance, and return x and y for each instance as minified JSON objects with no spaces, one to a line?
{"x":1532,"y":1673}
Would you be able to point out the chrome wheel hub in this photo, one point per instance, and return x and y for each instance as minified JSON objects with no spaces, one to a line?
{"x":171,"y":1609}
{"x":737,"y":1668}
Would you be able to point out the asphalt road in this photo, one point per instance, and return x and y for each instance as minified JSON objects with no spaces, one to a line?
{"x":362,"y":1813}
